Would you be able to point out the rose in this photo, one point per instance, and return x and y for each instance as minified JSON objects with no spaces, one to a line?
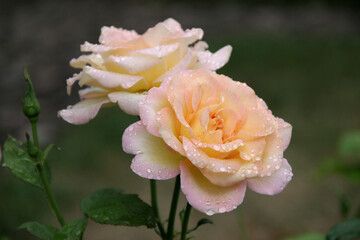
{"x":125,"y":65}
{"x":216,"y":133}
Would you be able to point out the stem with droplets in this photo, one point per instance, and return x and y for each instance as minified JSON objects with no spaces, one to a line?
{"x":49,"y":195}
{"x":154,"y":204}
{"x":185,"y":221}
{"x":174,"y":202}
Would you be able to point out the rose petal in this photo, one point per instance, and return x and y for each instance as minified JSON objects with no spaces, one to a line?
{"x":149,"y":106}
{"x":200,"y":159}
{"x":214,"y":61}
{"x":158,"y":51}
{"x":275,"y":183}
{"x":95,"y":60}
{"x":153,"y":160}
{"x":168,"y":128}
{"x":93,"y":92}
{"x":133,"y":64}
{"x":273,"y":154}
{"x":111,"y":35}
{"x":83,"y":111}
{"x":284,"y":130}
{"x":207,"y":197}
{"x":96,"y":48}
{"x":259,"y":123}
{"x":253,"y":150}
{"x":99,"y":78}
{"x":182,"y":65}
{"x":128,"y":102}
{"x":172,"y":25}
{"x":155,"y":35}
{"x":71,"y":81}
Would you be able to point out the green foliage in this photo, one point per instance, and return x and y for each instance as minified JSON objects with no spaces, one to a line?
{"x":348,"y":229}
{"x":308,"y":236}
{"x":349,"y":145}
{"x":21,"y":164}
{"x":31,"y":106}
{"x":335,"y":167}
{"x":111,"y":206}
{"x":45,"y":232}
{"x":71,"y":231}
{"x":345,"y":206}
{"x":199,"y":223}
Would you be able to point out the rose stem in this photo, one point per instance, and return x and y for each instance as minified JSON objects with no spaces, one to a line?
{"x":242,"y":224}
{"x":50,"y":197}
{"x":185,"y":221}
{"x":156,"y":208}
{"x":175,"y":198}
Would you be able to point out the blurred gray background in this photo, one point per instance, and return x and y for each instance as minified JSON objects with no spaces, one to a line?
{"x":301,"y":57}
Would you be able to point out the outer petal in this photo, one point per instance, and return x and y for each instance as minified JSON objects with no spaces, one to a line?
{"x":110,"y":35}
{"x":284,"y":130}
{"x":83,"y":111}
{"x":153,"y":160}
{"x":128,"y":102}
{"x":206,"y":197}
{"x":70,"y":81}
{"x":99,"y":78}
{"x":94,"y":60}
{"x":216,"y":60}
{"x":275,"y":183}
{"x":150,"y":106}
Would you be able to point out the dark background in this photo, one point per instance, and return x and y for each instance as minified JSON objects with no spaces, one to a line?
{"x":301,"y":57}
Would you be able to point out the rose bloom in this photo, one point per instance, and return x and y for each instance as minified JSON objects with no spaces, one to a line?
{"x":125,"y":65}
{"x":216,"y":133}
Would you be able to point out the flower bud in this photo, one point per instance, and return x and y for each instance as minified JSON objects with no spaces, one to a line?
{"x":31,"y":106}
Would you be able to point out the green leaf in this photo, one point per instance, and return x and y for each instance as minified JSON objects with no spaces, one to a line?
{"x":21,"y":164}
{"x":72,"y":230}
{"x":45,"y":153}
{"x":348,"y":229}
{"x":111,"y":206}
{"x":333,"y":166}
{"x":345,"y":206}
{"x":308,"y":236}
{"x":44,"y":232}
{"x":200,"y":222}
{"x":349,"y":145}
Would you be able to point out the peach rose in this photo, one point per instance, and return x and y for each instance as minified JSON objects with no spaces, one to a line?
{"x":125,"y":65}
{"x":216,"y":133}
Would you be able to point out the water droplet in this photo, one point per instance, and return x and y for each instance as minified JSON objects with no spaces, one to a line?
{"x":222,"y":210}
{"x":210,"y":212}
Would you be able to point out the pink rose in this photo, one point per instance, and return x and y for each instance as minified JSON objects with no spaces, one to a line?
{"x":216,"y":133}
{"x":125,"y":65}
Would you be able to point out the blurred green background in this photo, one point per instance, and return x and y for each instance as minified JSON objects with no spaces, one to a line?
{"x":302,"y":58}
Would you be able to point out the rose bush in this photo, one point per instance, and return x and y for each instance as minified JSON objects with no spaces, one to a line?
{"x":216,"y":133}
{"x":125,"y":65}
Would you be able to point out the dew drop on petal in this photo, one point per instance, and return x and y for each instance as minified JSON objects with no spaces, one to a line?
{"x":210,"y":212}
{"x":222,"y":210}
